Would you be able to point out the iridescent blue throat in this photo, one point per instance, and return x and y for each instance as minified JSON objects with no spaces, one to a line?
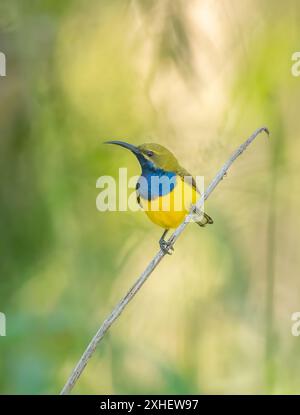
{"x":154,"y":182}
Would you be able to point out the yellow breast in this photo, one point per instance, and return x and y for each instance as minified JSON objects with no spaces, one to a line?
{"x":169,"y":210}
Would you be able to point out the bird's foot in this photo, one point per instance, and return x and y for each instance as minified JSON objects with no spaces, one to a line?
{"x":166,"y":247}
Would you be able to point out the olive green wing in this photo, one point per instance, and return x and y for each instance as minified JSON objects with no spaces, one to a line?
{"x":185,"y":175}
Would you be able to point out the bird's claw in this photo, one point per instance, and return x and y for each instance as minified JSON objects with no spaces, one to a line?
{"x":166,"y":247}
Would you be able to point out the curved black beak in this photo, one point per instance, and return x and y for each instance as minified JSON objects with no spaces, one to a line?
{"x":130,"y":147}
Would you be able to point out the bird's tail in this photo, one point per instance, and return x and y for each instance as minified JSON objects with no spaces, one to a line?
{"x":206,"y":219}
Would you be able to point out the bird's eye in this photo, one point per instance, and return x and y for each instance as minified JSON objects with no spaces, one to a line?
{"x":150,"y":153}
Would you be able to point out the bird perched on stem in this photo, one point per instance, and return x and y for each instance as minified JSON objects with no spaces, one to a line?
{"x":165,"y":190}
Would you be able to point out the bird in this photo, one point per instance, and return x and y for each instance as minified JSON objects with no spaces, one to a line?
{"x":165,"y":190}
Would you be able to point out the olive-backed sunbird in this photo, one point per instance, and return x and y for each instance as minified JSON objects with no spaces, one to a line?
{"x":160,"y":201}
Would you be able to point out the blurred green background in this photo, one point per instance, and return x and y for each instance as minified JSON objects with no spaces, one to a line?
{"x":197,"y":76}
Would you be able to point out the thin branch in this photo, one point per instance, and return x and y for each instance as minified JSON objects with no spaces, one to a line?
{"x":150,"y":268}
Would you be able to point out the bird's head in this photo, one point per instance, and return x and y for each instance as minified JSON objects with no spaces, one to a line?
{"x":151,"y":154}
